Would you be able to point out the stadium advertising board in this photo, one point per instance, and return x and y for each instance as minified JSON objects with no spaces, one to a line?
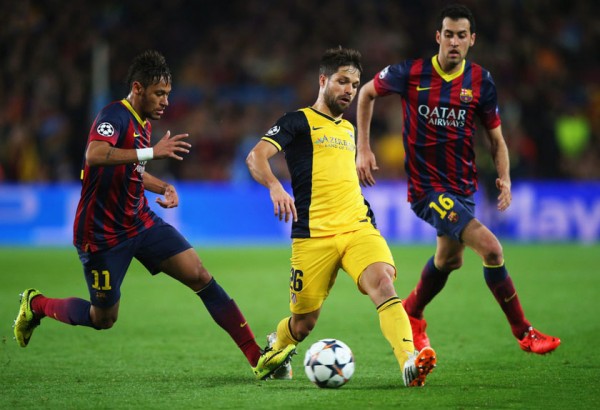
{"x":223,"y":214}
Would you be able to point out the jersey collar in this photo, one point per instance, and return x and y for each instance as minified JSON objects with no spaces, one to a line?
{"x":325,"y":115}
{"x":135,"y":114}
{"x":447,"y":77}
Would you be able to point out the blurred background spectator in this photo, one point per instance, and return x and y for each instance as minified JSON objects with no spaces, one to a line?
{"x":238,"y":64}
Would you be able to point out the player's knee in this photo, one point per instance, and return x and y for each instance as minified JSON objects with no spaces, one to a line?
{"x":379,"y":279}
{"x":199,"y":277}
{"x":104,"y":323}
{"x":451,"y":263}
{"x":384,"y":282}
{"x":492,"y":253}
{"x":103,"y":318}
{"x":494,"y":257}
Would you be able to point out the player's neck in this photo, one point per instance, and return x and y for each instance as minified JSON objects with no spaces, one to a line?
{"x":135,"y":107}
{"x":447,"y":67}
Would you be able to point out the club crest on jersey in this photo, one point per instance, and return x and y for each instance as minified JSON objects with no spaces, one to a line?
{"x":274,"y":130}
{"x":453,"y":217}
{"x":105,"y":129}
{"x":466,"y":95}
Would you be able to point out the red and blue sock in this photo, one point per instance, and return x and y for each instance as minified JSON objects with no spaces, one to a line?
{"x":501,"y":285}
{"x":73,"y":311}
{"x":226,"y":314}
{"x":431,"y":283}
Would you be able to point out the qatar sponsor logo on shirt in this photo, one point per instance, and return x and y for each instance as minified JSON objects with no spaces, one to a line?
{"x":105,"y":129}
{"x":443,"y":116}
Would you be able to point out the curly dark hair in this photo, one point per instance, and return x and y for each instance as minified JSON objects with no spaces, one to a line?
{"x":149,"y":67}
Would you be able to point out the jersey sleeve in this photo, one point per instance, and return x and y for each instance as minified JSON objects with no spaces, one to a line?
{"x":286,"y":129}
{"x":488,"y":107}
{"x":109,"y":125}
{"x":392,"y":79}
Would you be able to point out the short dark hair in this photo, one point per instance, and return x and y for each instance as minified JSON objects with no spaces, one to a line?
{"x":149,"y":67}
{"x":334,"y":58}
{"x":455,"y":12}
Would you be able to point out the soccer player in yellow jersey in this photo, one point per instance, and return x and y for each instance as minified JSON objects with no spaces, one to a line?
{"x":333,"y":226}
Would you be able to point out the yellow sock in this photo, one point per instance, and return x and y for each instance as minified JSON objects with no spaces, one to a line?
{"x":284,"y":335}
{"x":395,"y":326}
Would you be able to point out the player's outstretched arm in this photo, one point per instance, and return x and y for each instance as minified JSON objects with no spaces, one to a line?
{"x":101,"y":153}
{"x":260,"y":169}
{"x":365,"y":159}
{"x":171,"y":147}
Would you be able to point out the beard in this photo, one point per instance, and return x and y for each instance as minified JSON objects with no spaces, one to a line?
{"x":334,"y":106}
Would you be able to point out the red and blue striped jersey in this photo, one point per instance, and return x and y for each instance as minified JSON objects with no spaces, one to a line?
{"x":439,"y":121}
{"x":113,"y":207}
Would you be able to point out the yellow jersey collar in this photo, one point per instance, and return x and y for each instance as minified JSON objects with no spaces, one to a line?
{"x":447,"y":77}
{"x":325,"y":115}
{"x":135,"y":114}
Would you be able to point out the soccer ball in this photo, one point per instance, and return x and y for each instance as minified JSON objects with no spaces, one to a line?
{"x":329,"y":363}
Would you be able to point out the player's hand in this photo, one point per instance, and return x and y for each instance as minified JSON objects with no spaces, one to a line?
{"x":171,"y":199}
{"x":170,"y":147}
{"x":283,"y":204}
{"x":505,"y":197}
{"x":365,"y":164}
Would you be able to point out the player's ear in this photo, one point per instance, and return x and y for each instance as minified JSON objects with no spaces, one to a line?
{"x":137,"y":88}
{"x":472,"y":39}
{"x":322,"y":80}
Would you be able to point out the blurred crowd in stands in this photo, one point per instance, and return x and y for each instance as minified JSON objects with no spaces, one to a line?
{"x":239,"y":64}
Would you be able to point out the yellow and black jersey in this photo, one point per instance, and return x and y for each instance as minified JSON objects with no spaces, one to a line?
{"x":320,"y":152}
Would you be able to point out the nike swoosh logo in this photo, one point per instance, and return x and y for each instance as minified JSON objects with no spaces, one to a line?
{"x":135,"y":135}
{"x":243,"y":324}
{"x":508,"y":299}
{"x":316,"y":128}
{"x":406,"y":340}
{"x":419,"y":88}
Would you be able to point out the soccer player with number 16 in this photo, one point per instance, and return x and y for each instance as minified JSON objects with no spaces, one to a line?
{"x":442,"y":96}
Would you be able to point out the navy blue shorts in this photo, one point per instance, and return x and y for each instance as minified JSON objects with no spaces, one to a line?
{"x":448,"y":213}
{"x":105,"y":270}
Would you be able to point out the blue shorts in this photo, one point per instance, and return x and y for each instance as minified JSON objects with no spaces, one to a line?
{"x":448,"y":213}
{"x":105,"y":270}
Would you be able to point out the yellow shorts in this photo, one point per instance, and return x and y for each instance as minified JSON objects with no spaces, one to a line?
{"x":316,"y":261}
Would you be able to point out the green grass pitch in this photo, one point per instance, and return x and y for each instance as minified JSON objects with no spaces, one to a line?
{"x":165,"y":351}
